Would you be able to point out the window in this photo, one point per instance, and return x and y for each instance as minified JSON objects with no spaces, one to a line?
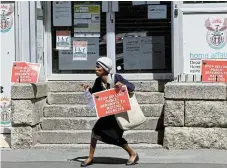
{"x":83,"y":33}
{"x":143,"y":39}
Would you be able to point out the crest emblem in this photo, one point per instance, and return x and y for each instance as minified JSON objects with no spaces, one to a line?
{"x":6,"y":19}
{"x":217,"y":33}
{"x":5,"y":111}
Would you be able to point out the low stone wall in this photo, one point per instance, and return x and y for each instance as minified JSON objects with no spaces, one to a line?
{"x":28,"y":101}
{"x":195,"y":115}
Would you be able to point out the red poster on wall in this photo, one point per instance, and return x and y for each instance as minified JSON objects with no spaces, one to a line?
{"x":25,"y":72}
{"x":112,"y":101}
{"x":214,"y":71}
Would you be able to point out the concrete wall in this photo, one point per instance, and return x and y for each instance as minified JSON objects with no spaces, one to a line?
{"x":28,"y":101}
{"x":195,"y":115}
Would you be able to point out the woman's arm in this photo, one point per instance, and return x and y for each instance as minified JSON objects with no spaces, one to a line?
{"x":96,"y":87}
{"x":129,"y":85}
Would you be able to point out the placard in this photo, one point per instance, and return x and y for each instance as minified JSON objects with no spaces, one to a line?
{"x":79,"y":50}
{"x":62,"y":13}
{"x":208,"y":42}
{"x":86,"y":20}
{"x":25,"y":72}
{"x":112,"y":101}
{"x":63,"y":40}
{"x":157,"y":12}
{"x":214,"y":71}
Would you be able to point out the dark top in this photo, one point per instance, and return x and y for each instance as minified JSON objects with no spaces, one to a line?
{"x":118,"y":78}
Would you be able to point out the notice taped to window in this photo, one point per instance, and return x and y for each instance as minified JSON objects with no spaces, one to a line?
{"x":63,"y":40}
{"x":62,"y":13}
{"x":86,"y":20}
{"x":214,"y":71}
{"x":112,"y":101}
{"x":79,"y":50}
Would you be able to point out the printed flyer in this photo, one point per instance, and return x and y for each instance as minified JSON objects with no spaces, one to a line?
{"x":80,"y":50}
{"x":63,"y":40}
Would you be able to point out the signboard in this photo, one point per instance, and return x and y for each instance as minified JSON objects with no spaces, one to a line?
{"x":208,"y":41}
{"x":144,"y":52}
{"x":25,"y":72}
{"x":63,"y":40}
{"x":112,"y":101}
{"x":214,"y":71}
{"x":86,"y":20}
{"x":79,"y":50}
{"x":62,"y":13}
{"x":157,"y":12}
{"x":7,"y":57}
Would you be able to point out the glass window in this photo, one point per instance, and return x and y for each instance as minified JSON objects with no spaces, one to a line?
{"x":87,"y":27}
{"x":143,"y":37}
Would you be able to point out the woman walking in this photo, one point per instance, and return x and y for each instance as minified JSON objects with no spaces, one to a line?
{"x":106,"y":129}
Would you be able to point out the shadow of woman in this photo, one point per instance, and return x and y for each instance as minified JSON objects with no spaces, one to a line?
{"x":101,"y":160}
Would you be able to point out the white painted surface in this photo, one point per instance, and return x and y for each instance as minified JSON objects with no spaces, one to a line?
{"x":7,"y":57}
{"x":198,"y":41}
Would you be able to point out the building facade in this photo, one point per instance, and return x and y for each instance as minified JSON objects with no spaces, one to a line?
{"x":147,"y":40}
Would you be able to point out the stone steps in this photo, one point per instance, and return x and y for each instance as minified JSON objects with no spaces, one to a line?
{"x":75,"y":86}
{"x":83,"y":136}
{"x":87,"y":123}
{"x":78,"y":110}
{"x":99,"y":146}
{"x":78,"y":98}
{"x":68,"y":121}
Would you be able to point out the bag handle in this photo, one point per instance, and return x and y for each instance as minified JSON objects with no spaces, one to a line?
{"x":112,"y":80}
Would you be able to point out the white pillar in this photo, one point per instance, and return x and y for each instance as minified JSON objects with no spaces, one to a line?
{"x":111,"y":45}
{"x":23,"y":30}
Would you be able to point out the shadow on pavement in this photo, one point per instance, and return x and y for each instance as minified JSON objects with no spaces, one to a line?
{"x":101,"y":160}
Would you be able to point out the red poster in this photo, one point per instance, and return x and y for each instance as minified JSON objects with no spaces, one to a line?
{"x":214,"y":71}
{"x":25,"y":72}
{"x":112,"y":101}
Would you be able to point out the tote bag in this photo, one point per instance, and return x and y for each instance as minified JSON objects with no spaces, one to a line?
{"x":132,"y":118}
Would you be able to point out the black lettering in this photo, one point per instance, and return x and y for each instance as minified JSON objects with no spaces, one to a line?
{"x":1,"y":89}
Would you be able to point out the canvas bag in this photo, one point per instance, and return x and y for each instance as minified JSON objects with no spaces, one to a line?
{"x":132,"y":118}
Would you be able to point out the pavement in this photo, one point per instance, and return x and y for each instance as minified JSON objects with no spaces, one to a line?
{"x":113,"y":158}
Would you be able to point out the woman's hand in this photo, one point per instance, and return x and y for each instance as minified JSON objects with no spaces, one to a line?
{"x":85,"y":86}
{"x":118,"y":85}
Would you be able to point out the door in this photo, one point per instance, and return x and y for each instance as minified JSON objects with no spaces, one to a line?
{"x":199,"y":33}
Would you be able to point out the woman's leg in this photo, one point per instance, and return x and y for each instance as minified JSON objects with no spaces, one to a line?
{"x":92,"y":150}
{"x":131,"y":152}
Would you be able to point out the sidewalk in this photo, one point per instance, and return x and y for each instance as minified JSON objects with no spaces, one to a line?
{"x":104,"y":155}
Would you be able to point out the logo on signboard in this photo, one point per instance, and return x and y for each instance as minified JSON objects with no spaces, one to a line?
{"x":5,"y":109}
{"x":217,"y":32}
{"x":6,"y":21}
